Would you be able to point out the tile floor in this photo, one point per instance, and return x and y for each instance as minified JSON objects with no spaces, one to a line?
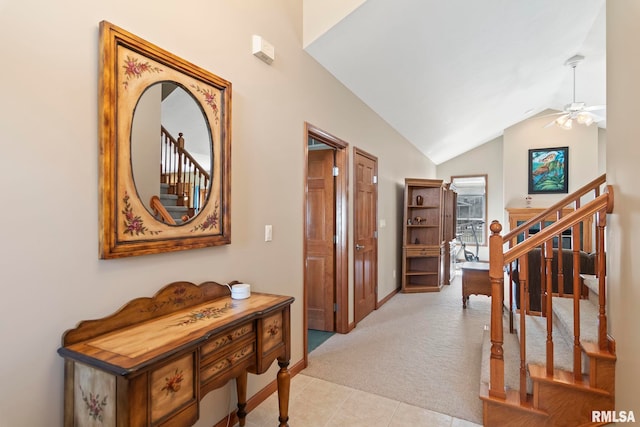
{"x":318,"y":403}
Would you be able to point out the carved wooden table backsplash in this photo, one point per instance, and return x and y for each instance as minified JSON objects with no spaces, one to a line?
{"x":151,"y":362}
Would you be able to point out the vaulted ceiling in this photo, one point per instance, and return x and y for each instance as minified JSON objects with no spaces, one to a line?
{"x":452,"y":75}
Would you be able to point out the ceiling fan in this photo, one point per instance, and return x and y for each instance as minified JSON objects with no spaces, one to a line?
{"x":576,"y":111}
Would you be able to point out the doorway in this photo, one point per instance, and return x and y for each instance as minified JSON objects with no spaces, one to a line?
{"x":325,"y":234}
{"x":365,"y":236}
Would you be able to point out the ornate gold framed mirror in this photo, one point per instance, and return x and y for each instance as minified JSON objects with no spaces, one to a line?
{"x":165,"y":150}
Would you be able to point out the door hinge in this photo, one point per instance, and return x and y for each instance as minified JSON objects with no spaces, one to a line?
{"x":336,"y":171}
{"x":375,"y":179}
{"x":335,"y":239}
{"x":335,"y":307}
{"x":375,"y":234}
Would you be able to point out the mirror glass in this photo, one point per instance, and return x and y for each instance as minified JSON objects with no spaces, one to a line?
{"x":169,"y":129}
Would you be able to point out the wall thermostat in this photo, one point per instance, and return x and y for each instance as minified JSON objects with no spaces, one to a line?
{"x":263,"y":49}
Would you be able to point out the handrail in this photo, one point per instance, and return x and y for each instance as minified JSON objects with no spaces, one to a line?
{"x":571,"y":219}
{"x":573,"y":197}
{"x":159,"y":209}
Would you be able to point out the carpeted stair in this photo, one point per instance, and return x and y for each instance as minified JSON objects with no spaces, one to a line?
{"x":170,"y":202}
{"x":595,"y":380}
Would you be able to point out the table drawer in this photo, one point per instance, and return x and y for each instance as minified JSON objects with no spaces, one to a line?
{"x":221,"y":342}
{"x":172,"y":388}
{"x":422,"y":252}
{"x":227,"y":361}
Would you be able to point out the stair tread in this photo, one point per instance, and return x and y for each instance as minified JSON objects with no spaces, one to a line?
{"x":591,"y":282}
{"x":563,"y":310}
{"x":539,"y":373}
{"x":592,"y":350}
{"x":176,"y":208}
{"x":512,"y":400}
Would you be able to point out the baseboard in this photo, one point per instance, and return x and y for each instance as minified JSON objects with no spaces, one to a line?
{"x":387,"y":298}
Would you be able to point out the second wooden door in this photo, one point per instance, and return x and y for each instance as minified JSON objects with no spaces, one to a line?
{"x":365,"y":235}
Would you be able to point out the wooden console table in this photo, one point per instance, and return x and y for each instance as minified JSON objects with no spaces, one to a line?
{"x":151,"y":362}
{"x":475,"y":280}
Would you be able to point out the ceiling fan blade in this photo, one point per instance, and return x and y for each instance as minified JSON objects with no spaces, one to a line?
{"x":559,"y":113}
{"x":551,"y":123}
{"x":595,"y":108}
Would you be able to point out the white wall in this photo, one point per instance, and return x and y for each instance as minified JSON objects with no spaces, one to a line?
{"x":51,"y":276}
{"x":623,"y":172}
{"x":485,"y":159}
{"x":520,"y":138}
{"x":145,"y":155}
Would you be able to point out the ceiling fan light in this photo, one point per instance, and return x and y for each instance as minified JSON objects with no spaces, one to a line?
{"x":564,"y":122}
{"x":560,"y":121}
{"x":584,"y":118}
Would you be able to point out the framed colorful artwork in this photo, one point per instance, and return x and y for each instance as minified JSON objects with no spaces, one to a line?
{"x":549,"y":170}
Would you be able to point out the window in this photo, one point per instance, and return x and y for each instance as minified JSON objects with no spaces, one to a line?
{"x":471,"y":210}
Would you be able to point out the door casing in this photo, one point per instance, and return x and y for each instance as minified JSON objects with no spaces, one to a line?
{"x":341,"y":246}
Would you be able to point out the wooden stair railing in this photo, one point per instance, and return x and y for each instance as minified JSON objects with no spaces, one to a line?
{"x":571,"y":202}
{"x":598,"y":208}
{"x":181,"y":171}
{"x":159,"y":210}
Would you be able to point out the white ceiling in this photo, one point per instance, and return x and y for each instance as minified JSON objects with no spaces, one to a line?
{"x":450,"y":75}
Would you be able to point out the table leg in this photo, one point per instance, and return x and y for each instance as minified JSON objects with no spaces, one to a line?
{"x":284,"y":379}
{"x":464,"y":301}
{"x":241,"y":388}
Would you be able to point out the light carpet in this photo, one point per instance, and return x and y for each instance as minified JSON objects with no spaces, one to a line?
{"x":423,"y":349}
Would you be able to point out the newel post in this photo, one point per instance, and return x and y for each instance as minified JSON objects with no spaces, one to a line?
{"x":496,"y":274}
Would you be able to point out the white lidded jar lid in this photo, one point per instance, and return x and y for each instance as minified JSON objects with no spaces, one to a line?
{"x":241,"y":291}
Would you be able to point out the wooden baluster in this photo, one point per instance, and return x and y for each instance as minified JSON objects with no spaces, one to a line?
{"x":524,"y":292}
{"x":163,"y":154}
{"x":577,"y":293}
{"x":560,"y":261}
{"x":192,"y":178}
{"x":548,"y":255}
{"x":543,"y":282}
{"x":179,"y":148}
{"x":543,"y":275}
{"x":183,"y":179}
{"x":496,"y":263}
{"x":510,"y":269}
{"x":603,"y":342}
{"x":172,"y":169}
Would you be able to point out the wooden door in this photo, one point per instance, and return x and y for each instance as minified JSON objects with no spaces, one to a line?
{"x":365,"y":235}
{"x":320,"y":231}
